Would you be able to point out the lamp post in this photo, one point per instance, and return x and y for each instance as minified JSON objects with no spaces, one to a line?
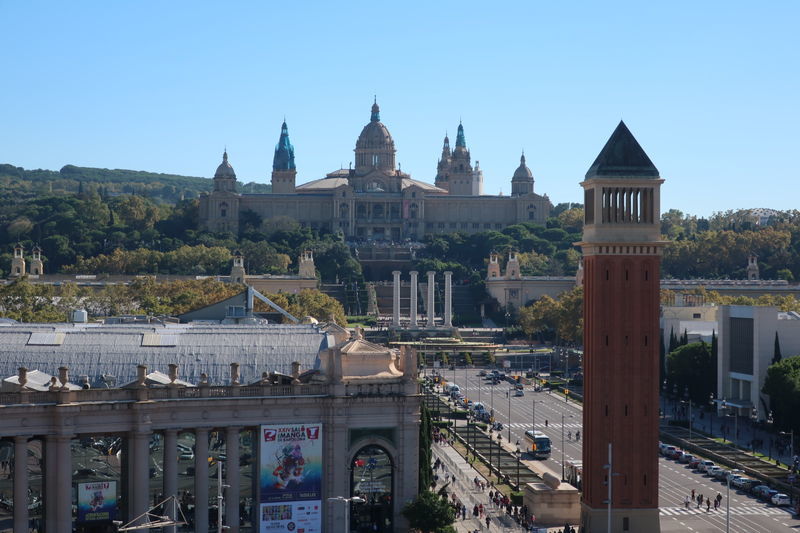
{"x":509,"y":414}
{"x":791,"y":456}
{"x":533,"y":416}
{"x":664,"y":398}
{"x":754,"y":419}
{"x":499,"y":450}
{"x":728,"y":506}
{"x":711,"y":415}
{"x":770,"y":421}
{"x":562,"y":447}
{"x":347,"y":502}
{"x":519,"y":454}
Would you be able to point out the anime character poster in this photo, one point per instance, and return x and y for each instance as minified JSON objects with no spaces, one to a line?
{"x":97,"y":501}
{"x":290,"y":478}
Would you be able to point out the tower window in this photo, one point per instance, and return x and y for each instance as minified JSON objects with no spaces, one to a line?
{"x":645,"y":340}
{"x":606,"y":275}
{"x":606,"y":340}
{"x":626,"y":410}
{"x":626,"y":275}
{"x":646,"y":275}
{"x":606,"y":410}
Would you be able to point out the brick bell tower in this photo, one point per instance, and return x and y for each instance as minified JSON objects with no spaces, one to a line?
{"x":621,"y":261}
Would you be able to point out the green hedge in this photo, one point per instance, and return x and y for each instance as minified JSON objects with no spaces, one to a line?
{"x":516,"y":498}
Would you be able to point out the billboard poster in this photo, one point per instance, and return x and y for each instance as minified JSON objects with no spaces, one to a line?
{"x":97,"y":501}
{"x":290,"y":478}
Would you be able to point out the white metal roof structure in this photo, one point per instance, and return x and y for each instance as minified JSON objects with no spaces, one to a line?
{"x":97,"y":350}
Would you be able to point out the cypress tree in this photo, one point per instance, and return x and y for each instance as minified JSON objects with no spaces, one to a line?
{"x":425,"y":454}
{"x":714,"y":358}
{"x":685,"y":337}
{"x":776,"y":354}
{"x":673,"y":341}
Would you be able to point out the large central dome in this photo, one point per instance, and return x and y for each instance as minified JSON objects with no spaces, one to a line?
{"x":374,"y":147}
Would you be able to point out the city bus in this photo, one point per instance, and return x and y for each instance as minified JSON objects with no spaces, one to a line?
{"x":539,"y":444}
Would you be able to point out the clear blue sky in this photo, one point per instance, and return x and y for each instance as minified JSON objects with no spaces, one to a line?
{"x":710,"y":89}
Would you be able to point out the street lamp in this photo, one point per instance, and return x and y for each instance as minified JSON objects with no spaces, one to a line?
{"x":711,"y":415}
{"x":664,"y":397}
{"x":519,"y":454}
{"x":562,"y":446}
{"x":347,"y":502}
{"x":754,"y":419}
{"x":499,"y":450}
{"x":791,"y":456}
{"x":509,"y":414}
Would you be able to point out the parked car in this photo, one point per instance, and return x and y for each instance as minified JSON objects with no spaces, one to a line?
{"x":668,"y":451}
{"x":736,"y":472}
{"x":770,"y":493}
{"x":686,"y":458}
{"x":702,"y":466}
{"x":661,"y":447}
{"x":780,"y":499}
{"x":694,"y":462}
{"x":677,"y":454}
{"x":721,"y":473}
{"x":712,"y":470}
{"x":482,"y":373}
{"x":742,"y":482}
{"x":759,"y":490}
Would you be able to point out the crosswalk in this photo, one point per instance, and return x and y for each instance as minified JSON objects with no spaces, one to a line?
{"x":520,"y":425}
{"x":737,"y":511}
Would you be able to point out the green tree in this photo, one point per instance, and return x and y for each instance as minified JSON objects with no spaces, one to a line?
{"x":425,"y":454}
{"x":782,"y":384}
{"x":691,"y":368}
{"x":429,"y":513}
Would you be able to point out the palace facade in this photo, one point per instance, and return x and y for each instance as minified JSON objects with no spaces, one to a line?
{"x":375,"y":200}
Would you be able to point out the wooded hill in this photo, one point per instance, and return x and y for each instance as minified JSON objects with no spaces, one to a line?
{"x":19,"y":183}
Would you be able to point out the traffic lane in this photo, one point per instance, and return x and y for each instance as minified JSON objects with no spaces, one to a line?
{"x":747,"y":513}
{"x":549,"y":407}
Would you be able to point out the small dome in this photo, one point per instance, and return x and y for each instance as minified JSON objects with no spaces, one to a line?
{"x":523,"y":173}
{"x":225,"y":170}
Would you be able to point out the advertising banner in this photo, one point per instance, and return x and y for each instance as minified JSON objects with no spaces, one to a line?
{"x":290,"y":478}
{"x":97,"y":501}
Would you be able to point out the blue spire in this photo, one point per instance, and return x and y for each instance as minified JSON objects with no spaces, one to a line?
{"x":284,"y":151}
{"x":376,"y":112}
{"x":460,"y":141}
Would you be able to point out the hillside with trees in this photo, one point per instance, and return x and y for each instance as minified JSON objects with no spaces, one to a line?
{"x":17,"y":183}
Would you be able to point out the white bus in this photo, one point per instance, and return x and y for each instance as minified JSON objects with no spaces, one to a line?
{"x":539,"y":444}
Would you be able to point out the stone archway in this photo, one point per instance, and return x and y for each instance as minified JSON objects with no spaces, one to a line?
{"x":372,"y":478}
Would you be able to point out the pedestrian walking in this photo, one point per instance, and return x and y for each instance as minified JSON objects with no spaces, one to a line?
{"x":692,"y":494}
{"x":686,"y":502}
{"x":708,"y":504}
{"x":488,"y":521}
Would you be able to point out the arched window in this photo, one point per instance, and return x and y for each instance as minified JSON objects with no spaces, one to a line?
{"x":372,"y":478}
{"x":223,"y":210}
{"x":344,"y":211}
{"x":412,"y":211}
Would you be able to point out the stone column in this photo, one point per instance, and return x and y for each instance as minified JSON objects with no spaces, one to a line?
{"x":412,"y":312}
{"x":232,"y":478}
{"x":170,"y":470}
{"x":448,"y":299}
{"x":138,"y":466}
{"x":396,"y":298}
{"x":58,"y":486}
{"x":21,"y":484}
{"x":201,"y":480}
{"x":431,"y":299}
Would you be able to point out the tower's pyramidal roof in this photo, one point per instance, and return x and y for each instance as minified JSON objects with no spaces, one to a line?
{"x":622,"y":157}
